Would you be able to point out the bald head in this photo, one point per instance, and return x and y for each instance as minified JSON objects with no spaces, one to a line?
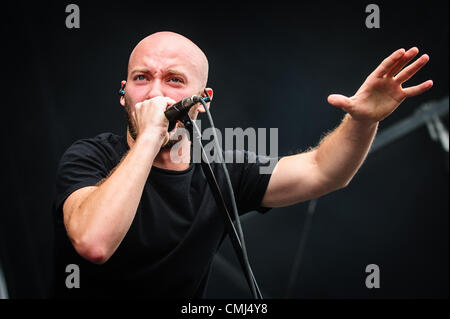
{"x":172,"y":48}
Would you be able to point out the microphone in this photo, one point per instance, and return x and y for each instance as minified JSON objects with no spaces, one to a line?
{"x":176,"y":111}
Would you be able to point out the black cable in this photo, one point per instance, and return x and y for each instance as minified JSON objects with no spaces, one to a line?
{"x":233,"y":201}
{"x":301,"y":248}
{"x":234,"y":237}
{"x":228,"y":221}
{"x":253,"y":285}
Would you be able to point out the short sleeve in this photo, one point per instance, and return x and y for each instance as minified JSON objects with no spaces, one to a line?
{"x":250,"y":175}
{"x":83,"y":164}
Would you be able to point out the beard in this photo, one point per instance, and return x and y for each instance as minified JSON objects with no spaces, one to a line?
{"x":134,"y":133}
{"x":130,"y":120}
{"x":172,"y":141}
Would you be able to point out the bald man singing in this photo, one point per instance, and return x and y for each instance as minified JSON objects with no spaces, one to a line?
{"x":132,"y":223}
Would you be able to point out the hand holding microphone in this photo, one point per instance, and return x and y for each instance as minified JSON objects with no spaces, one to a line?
{"x":149,"y":120}
{"x":180,"y":109}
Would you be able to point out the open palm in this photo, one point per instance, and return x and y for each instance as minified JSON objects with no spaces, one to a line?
{"x":382,"y":92}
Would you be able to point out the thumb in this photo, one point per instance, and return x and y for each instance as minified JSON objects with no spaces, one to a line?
{"x":166,"y":139}
{"x":340,"y":101}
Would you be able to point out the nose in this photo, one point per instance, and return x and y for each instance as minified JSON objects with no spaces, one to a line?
{"x":156,"y":89}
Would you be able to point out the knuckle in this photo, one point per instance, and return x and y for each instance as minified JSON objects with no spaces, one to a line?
{"x":159,"y":99}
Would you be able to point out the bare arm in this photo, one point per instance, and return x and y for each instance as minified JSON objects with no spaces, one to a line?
{"x":97,"y":218}
{"x":328,"y":167}
{"x":336,"y":160}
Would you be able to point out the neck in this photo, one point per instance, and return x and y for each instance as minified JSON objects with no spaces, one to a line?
{"x":181,"y":150}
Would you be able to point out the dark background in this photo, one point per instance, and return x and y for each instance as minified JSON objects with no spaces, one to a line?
{"x":271,"y":65}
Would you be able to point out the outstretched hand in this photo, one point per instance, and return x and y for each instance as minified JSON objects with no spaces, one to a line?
{"x":382,"y":92}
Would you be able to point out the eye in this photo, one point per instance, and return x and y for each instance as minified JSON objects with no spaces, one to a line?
{"x":176,"y":80}
{"x":140,"y":77}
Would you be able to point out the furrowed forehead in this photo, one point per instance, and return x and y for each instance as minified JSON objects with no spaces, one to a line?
{"x":165,"y":46}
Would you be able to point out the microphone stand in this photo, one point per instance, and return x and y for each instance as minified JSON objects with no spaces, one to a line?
{"x":222,"y":206}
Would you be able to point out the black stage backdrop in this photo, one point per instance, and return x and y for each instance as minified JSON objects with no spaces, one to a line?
{"x":271,"y":65}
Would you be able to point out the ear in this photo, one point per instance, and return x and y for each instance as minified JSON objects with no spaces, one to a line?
{"x":210,"y":92}
{"x":122,"y":98}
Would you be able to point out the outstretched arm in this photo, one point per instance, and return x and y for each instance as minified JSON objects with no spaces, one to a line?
{"x":335,"y":161}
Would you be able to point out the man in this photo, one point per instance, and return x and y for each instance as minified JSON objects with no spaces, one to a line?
{"x":138,"y":224}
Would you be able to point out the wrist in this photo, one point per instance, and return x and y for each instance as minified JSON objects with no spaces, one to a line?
{"x":150,"y":140}
{"x":361,"y":124}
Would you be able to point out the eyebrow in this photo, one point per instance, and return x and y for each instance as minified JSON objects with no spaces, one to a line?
{"x":139,"y":71}
{"x":170,"y":72}
{"x":175,"y":72}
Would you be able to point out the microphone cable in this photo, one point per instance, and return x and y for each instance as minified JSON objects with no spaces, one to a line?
{"x":240,"y":235}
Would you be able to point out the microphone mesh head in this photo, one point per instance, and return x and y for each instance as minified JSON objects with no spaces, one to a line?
{"x":196,"y":98}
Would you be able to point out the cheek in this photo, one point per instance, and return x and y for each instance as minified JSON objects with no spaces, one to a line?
{"x":138,"y":96}
{"x":129,"y":104}
{"x":141,"y":93}
{"x":137,"y":93}
{"x":177,"y":94}
{"x":134,"y":96}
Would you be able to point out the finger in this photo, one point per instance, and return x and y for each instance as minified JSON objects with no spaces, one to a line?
{"x":340,"y":101}
{"x":410,"y":70}
{"x":166,"y":139}
{"x":407,"y":57}
{"x":201,"y":109}
{"x":388,"y":63}
{"x":418,"y":89}
{"x":156,"y":99}
{"x":170,"y":101}
{"x":164,"y":118}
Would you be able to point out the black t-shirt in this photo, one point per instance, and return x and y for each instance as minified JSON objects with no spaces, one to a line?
{"x":177,"y":229}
